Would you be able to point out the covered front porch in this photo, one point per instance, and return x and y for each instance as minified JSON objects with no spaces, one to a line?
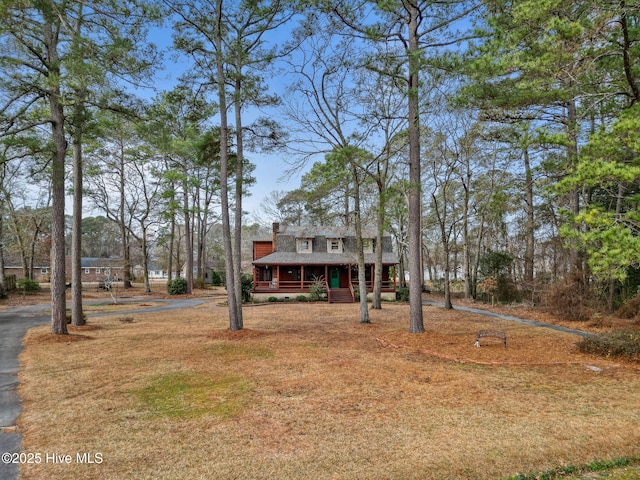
{"x":282,"y":280}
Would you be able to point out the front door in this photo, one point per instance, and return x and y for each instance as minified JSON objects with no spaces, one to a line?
{"x":334,"y":277}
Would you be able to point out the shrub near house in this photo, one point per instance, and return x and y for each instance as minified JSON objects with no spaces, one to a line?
{"x":177,"y":286}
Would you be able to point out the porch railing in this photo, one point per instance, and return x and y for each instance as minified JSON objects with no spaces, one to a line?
{"x":284,"y":285}
{"x":300,"y":285}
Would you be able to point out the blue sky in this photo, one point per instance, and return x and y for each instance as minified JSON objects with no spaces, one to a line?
{"x":270,"y":168}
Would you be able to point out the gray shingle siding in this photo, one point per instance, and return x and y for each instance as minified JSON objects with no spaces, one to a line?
{"x":320,"y":244}
{"x":286,"y":253}
{"x":288,"y":243}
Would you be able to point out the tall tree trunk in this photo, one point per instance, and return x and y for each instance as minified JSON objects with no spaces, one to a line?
{"x":362,"y":277}
{"x":401,"y":246}
{"x":376,"y":301}
{"x":77,"y":317}
{"x":80,"y":93}
{"x":58,"y":280}
{"x":612,"y":281}
{"x":447,"y":278}
{"x":627,"y":45}
{"x":237,"y":254}
{"x":466,"y":256}
{"x":476,"y":265}
{"x":199,"y":237}
{"x":188,"y":231}
{"x":381,"y":180}
{"x":346,"y":218}
{"x":3,"y":285}
{"x":429,"y":266}
{"x":415,"y":196}
{"x":446,"y":253}
{"x":455,"y":252}
{"x":178,"y":257}
{"x":126,"y":256}
{"x":32,"y":248}
{"x":466,"y":250}
{"x":172,"y":236}
{"x":202,"y":243}
{"x":576,"y":258}
{"x":530,"y":225}
{"x":235,"y":323}
{"x":122,"y":224}
{"x":145,"y":259}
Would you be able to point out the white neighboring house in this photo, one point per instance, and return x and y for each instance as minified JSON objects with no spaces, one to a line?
{"x":154,"y":274}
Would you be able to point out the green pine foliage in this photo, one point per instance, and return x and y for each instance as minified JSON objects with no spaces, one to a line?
{"x":608,"y":227}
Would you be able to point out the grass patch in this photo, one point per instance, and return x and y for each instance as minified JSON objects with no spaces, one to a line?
{"x":599,"y":466}
{"x":187,"y":395}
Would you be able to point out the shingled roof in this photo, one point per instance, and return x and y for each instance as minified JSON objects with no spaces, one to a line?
{"x":322,"y":258}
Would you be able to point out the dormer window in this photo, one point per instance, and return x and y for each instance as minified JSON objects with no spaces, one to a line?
{"x":367,"y":245}
{"x":334,"y":245}
{"x":304,"y":245}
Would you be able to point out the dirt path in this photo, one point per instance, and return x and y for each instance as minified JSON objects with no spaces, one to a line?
{"x":511,"y":318}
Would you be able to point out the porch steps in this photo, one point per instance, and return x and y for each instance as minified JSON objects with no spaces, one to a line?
{"x":341,"y":295}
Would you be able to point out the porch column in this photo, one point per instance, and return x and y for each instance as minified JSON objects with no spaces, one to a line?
{"x":302,"y":277}
{"x":278,"y":277}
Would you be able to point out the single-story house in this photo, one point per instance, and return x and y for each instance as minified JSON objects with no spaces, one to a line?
{"x":97,"y":269}
{"x":92,"y":270}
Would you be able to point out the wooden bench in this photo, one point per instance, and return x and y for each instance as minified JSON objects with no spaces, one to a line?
{"x":496,"y":335}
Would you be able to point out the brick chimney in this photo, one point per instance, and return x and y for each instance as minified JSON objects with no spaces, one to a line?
{"x":276,"y":230}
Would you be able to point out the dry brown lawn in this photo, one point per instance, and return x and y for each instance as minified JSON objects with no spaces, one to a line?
{"x":306,"y":392}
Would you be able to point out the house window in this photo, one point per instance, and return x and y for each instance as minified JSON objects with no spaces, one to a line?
{"x":304,"y":245}
{"x":97,"y":271}
{"x":87,"y":271}
{"x":44,"y":271}
{"x":367,"y":245}
{"x":334,"y":245}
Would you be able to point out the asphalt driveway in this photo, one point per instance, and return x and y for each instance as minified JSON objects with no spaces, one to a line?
{"x":511,"y":318}
{"x":14,"y":324}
